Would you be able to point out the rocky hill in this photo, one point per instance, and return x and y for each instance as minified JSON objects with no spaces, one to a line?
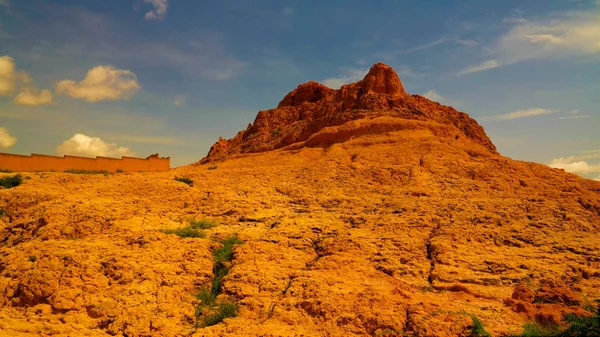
{"x":313,"y":106}
{"x":368,"y":213}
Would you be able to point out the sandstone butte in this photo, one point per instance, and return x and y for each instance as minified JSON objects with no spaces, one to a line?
{"x":364,"y":211}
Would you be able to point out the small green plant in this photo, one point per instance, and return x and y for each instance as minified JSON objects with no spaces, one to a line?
{"x":588,"y":326}
{"x":224,"y":310}
{"x":185,"y":180}
{"x":2,"y":211}
{"x":119,"y":171}
{"x":203,"y":224}
{"x":210,"y":311}
{"x":185,"y":232}
{"x":478,"y":329}
{"x":212,"y":167}
{"x":73,"y":171}
{"x":11,"y":181}
{"x":32,"y":258}
{"x":274,"y":132}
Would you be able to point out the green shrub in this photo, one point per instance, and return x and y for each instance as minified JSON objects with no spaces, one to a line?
{"x":478,"y":329}
{"x":213,"y":167}
{"x":185,"y":180}
{"x":2,"y":211}
{"x":209,"y":311}
{"x":588,"y":326}
{"x":203,"y":224}
{"x":119,"y":171}
{"x":224,"y":310}
{"x":225,"y":253}
{"x":11,"y":181}
{"x":185,"y":232}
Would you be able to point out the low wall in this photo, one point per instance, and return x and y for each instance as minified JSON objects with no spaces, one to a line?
{"x":40,"y":162}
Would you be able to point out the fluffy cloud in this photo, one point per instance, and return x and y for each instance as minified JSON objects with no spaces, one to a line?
{"x":578,"y":164}
{"x":82,"y":145}
{"x":11,"y":79}
{"x":8,"y":76}
{"x":33,"y":97}
{"x":525,"y":113}
{"x":491,"y":64}
{"x":159,"y":10}
{"x":101,"y":83}
{"x":434,"y":96}
{"x":6,"y":140}
{"x":350,"y":75}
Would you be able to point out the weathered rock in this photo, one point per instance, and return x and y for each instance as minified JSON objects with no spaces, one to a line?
{"x":312,"y":106}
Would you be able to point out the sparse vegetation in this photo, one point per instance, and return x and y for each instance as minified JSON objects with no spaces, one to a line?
{"x":210,"y":311}
{"x":203,"y":224}
{"x":185,"y":232}
{"x":185,"y":180}
{"x":478,"y":329}
{"x":11,"y":181}
{"x":32,"y":258}
{"x":212,"y":167}
{"x":588,"y":326}
{"x":2,"y":211}
{"x":223,"y":310}
{"x":119,"y":171}
{"x":73,"y":171}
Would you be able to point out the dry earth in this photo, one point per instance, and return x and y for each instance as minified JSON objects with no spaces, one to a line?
{"x":380,"y":226}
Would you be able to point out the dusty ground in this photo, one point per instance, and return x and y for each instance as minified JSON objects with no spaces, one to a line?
{"x":384,"y":234}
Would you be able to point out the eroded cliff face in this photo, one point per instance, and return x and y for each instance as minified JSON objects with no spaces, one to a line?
{"x":312,"y":106}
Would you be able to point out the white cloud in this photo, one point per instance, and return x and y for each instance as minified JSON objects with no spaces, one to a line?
{"x":575,"y":33}
{"x":349,"y":75}
{"x":434,"y":96}
{"x":480,"y":67}
{"x":82,"y":145}
{"x":558,"y":36}
{"x":8,"y":75}
{"x":468,"y":43}
{"x":33,"y":97}
{"x":159,"y":10}
{"x":573,"y":117}
{"x":525,"y":113}
{"x":578,"y":164}
{"x":6,"y":140}
{"x":101,"y":83}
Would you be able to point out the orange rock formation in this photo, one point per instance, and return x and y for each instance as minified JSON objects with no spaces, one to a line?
{"x":402,"y":220}
{"x":313,"y":106}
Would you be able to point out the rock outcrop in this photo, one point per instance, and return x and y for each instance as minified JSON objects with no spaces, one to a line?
{"x":312,"y":106}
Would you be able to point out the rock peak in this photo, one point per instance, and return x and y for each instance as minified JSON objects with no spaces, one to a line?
{"x":382,"y":79}
{"x":312,"y":106}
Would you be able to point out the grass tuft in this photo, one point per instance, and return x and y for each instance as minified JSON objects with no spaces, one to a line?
{"x":210,"y":311}
{"x":223,"y":310}
{"x":478,"y":329}
{"x":203,"y":224}
{"x":185,"y":232}
{"x":11,"y":181}
{"x":185,"y":180}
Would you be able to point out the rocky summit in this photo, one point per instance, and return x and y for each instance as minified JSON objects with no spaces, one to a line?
{"x":312,"y":106}
{"x":363,"y":211}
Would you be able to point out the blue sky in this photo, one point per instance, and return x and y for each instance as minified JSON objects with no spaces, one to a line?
{"x":171,"y":76}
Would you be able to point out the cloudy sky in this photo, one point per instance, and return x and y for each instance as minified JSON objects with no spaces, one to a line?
{"x":135,"y":77}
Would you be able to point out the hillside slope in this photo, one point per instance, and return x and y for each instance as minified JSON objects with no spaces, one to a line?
{"x":373,"y":226}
